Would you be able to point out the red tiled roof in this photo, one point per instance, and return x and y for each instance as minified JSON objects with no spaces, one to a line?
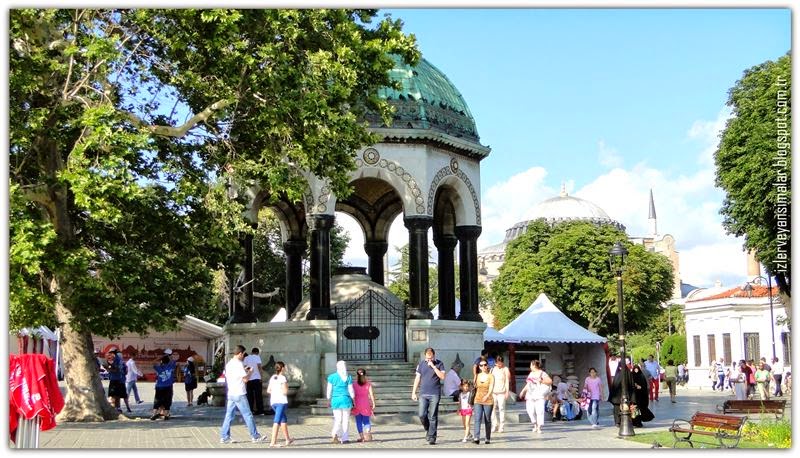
{"x":738,"y":291}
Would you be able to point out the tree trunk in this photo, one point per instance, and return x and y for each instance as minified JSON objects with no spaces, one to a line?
{"x":786,"y":300}
{"x":86,"y":399}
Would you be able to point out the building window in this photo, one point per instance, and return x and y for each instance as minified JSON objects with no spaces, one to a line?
{"x":696,"y":344}
{"x":712,"y":348}
{"x":726,"y":348}
{"x":786,"y":340}
{"x":752,"y":346}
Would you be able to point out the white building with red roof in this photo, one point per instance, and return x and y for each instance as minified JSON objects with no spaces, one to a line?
{"x":734,"y":323}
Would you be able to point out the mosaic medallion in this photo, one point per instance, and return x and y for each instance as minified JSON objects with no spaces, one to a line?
{"x":371,"y":156}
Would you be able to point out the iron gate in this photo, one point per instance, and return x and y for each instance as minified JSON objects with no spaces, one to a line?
{"x":370,"y":328}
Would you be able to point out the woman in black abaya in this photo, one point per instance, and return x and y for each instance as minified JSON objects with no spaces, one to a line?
{"x":640,"y":397}
{"x":615,"y":390}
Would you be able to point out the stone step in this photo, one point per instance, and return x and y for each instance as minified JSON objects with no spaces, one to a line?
{"x":389,"y":408}
{"x":324,"y":417}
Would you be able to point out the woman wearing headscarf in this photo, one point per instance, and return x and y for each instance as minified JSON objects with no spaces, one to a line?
{"x":615,"y":390}
{"x":739,"y":379}
{"x":641,"y":396}
{"x":340,"y":393}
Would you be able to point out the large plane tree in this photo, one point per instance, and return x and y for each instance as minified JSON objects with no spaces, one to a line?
{"x":125,"y":126}
{"x":754,"y":167}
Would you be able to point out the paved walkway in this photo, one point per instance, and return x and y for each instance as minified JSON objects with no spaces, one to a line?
{"x":198,"y":427}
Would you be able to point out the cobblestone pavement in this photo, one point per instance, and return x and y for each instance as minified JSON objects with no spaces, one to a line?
{"x":198,"y":427}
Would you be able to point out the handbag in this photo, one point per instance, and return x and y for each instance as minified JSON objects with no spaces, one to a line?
{"x":472,"y":393}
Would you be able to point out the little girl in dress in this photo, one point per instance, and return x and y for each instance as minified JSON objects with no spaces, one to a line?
{"x":465,"y":407}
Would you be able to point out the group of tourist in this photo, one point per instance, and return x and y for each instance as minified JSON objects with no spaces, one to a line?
{"x":122,"y":379}
{"x":237,"y":377}
{"x":748,"y":378}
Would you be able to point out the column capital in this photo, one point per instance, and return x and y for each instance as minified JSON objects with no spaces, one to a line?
{"x":420,"y":223}
{"x":445,"y":241}
{"x":319,"y":222}
{"x":468,"y":232}
{"x":376,"y":247}
{"x":296,"y":247}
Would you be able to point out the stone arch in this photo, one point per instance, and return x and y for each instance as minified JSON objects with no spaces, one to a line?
{"x":464,"y":196}
{"x":406,"y":186}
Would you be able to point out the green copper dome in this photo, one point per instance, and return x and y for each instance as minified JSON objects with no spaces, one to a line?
{"x":427,"y":100}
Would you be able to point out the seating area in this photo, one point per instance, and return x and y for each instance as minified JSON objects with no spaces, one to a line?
{"x":725,"y":431}
{"x":754,"y":406}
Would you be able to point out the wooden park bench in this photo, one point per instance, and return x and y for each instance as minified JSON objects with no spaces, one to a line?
{"x":773,"y":406}
{"x":725,"y":429}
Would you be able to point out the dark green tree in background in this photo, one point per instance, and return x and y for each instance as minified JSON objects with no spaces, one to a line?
{"x":754,"y":167}
{"x":123,"y":126}
{"x":569,"y":263}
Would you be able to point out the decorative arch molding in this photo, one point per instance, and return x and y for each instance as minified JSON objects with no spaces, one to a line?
{"x":317,"y":197}
{"x":441,"y":178}
{"x":397,"y":176}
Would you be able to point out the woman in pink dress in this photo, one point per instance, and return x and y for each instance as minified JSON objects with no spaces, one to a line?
{"x":364,"y":405}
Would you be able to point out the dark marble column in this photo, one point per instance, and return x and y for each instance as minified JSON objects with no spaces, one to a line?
{"x":419,"y":307}
{"x":468,"y":271}
{"x":447,"y":282}
{"x":294,"y":250}
{"x":376,"y":251}
{"x":243,"y":306}
{"x":320,"y":282}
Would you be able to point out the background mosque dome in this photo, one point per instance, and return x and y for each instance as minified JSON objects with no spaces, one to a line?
{"x":563,"y":208}
{"x":427,"y":100}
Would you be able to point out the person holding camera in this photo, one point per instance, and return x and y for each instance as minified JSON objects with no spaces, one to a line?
{"x":428,"y":378}
{"x":236,"y":377}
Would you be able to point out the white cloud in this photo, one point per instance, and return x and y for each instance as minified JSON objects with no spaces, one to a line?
{"x":705,"y":264}
{"x":607,"y":156}
{"x":707,"y":132}
{"x":687,"y":206}
{"x":510,"y":202}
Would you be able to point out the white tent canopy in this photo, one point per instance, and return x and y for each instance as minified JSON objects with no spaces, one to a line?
{"x":542,"y":322}
{"x":493,"y":335}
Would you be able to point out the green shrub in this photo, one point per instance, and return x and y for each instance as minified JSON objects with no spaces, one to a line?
{"x":674,"y":347}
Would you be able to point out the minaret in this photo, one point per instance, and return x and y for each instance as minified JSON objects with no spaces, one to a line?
{"x":651,"y":217}
{"x":753,"y":266}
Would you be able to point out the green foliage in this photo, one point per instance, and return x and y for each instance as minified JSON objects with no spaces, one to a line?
{"x":399,"y":285}
{"x":755,"y":435}
{"x":754,"y":167}
{"x":771,"y":433}
{"x":123,"y":124}
{"x":674,"y":348}
{"x":569,"y":262}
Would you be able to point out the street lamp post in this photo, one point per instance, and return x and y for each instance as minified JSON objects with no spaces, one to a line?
{"x":617,"y":256}
{"x":749,"y":289}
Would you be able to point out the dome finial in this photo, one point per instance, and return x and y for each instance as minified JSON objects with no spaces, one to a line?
{"x":563,"y":189}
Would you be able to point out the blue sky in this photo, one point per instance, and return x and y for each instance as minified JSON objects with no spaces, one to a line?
{"x":610,"y":101}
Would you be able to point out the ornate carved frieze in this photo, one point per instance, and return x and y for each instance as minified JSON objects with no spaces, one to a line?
{"x":371,"y":154}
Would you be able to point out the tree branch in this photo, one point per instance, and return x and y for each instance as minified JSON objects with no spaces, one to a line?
{"x":267,"y":295}
{"x":180,"y":131}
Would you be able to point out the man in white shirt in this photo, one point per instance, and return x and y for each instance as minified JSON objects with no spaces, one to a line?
{"x":130,"y":380}
{"x":452,"y":380}
{"x":236,"y":377}
{"x":255,"y":397}
{"x":777,"y":375}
